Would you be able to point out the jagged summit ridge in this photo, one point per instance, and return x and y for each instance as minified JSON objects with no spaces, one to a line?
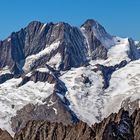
{"x":38,"y":43}
{"x":46,"y":40}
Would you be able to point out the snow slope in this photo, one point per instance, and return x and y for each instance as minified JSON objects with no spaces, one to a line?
{"x":90,"y":102}
{"x":117,"y":53}
{"x":123,"y":84}
{"x":84,"y":98}
{"x":13,"y":98}
{"x":46,"y":52}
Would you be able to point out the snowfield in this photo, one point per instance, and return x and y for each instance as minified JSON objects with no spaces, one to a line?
{"x":117,"y":53}
{"x":124,"y":83}
{"x":46,"y":52}
{"x":13,"y":98}
{"x":90,"y":102}
{"x":84,"y":98}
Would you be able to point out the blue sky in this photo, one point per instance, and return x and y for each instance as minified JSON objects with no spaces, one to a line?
{"x":119,"y":17}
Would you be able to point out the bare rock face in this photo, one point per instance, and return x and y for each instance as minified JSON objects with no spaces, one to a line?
{"x":23,"y":43}
{"x":42,"y":130}
{"x":4,"y":135}
{"x":95,"y":47}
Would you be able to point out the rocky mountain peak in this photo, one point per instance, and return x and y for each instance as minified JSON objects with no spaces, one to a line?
{"x":91,"y":23}
{"x":60,"y":73}
{"x":34,"y":23}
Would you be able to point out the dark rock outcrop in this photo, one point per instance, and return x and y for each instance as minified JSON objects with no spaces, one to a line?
{"x":115,"y":127}
{"x":138,"y":46}
{"x":108,"y":70}
{"x":5,"y":77}
{"x":38,"y":76}
{"x":134,"y":54}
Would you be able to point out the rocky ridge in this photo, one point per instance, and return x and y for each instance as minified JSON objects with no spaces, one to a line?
{"x":117,"y":126}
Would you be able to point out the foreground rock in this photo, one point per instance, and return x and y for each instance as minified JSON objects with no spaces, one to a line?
{"x":118,"y":126}
{"x":115,"y":127}
{"x":42,"y":130}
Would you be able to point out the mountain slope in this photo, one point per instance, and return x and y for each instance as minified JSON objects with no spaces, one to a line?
{"x":87,"y":71}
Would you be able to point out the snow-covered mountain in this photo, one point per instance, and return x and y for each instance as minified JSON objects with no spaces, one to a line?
{"x":67,"y":72}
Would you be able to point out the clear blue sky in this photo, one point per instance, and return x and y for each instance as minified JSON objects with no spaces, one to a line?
{"x":119,"y":17}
